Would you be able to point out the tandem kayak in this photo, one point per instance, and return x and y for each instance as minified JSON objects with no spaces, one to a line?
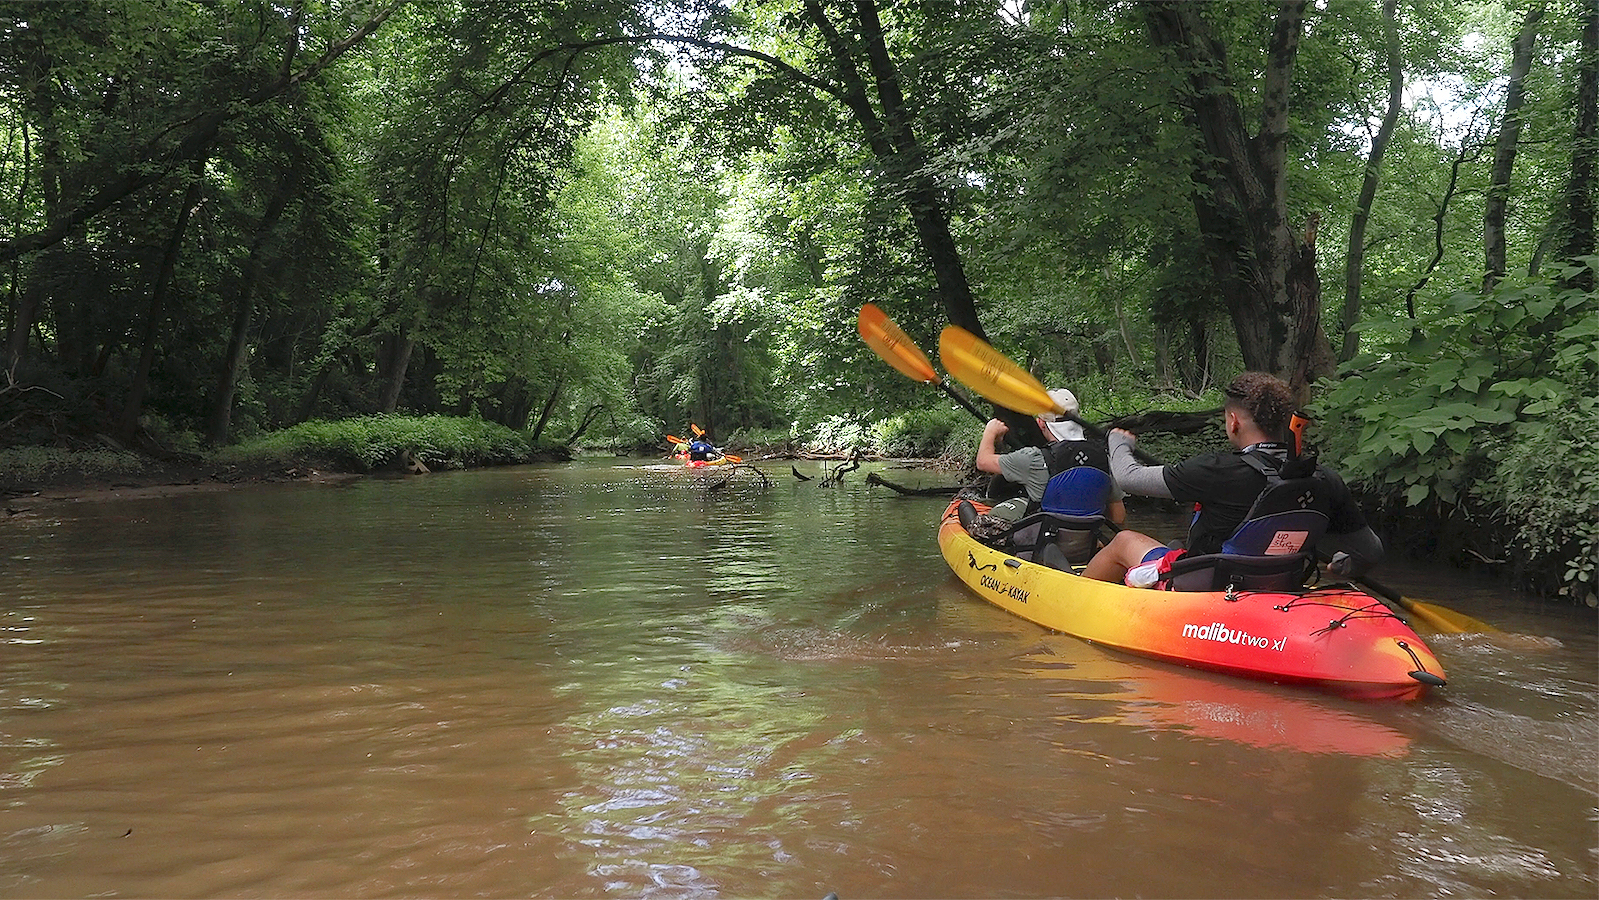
{"x":1334,"y":638}
{"x":706,"y":463}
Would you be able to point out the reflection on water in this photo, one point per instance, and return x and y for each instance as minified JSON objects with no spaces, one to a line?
{"x":606,"y":679}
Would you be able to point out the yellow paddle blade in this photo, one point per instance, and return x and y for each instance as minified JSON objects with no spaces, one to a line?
{"x":698,"y":431}
{"x":989,"y":372}
{"x":893,"y":345}
{"x":675,"y":439}
{"x":1443,"y":619}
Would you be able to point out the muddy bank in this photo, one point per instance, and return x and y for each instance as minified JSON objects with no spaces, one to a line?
{"x":159,"y":479}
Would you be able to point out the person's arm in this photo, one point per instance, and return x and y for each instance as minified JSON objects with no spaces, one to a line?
{"x":1353,"y":554}
{"x":1116,"y":512}
{"x":1354,"y":547}
{"x":987,"y":456}
{"x":1132,"y":476}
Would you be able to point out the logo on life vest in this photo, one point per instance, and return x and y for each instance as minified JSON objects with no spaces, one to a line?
{"x":1286,"y":543}
{"x":1221,"y":634}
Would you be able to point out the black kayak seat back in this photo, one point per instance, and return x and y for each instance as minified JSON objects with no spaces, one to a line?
{"x":1065,"y":532}
{"x":1274,"y":549}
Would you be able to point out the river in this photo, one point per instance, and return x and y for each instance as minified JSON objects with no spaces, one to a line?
{"x":607,"y":679}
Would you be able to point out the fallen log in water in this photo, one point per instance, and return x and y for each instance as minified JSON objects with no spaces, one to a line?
{"x":940,"y":491}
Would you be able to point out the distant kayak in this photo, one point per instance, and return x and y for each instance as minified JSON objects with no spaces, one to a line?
{"x":1336,"y":638}
{"x":705,"y":463}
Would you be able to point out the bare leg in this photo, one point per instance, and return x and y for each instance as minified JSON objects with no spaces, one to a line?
{"x":1124,"y":551}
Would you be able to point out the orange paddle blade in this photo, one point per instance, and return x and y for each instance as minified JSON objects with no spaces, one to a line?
{"x":989,"y":372}
{"x":893,"y":345}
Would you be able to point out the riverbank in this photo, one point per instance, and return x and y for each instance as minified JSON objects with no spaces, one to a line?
{"x":93,"y":466}
{"x":154,"y":478}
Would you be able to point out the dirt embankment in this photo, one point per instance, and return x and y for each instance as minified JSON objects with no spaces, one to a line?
{"x":19,"y":493}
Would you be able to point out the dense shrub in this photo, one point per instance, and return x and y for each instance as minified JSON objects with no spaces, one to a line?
{"x":922,"y":433}
{"x":39,"y":465}
{"x":1486,"y":407}
{"x":841,"y":434}
{"x":371,"y":442}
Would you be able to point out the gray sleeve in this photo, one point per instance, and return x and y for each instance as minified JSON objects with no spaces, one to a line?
{"x":1026,"y":467}
{"x":1132,"y":476}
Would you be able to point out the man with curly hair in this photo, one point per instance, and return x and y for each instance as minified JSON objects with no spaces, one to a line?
{"x":1224,"y":485}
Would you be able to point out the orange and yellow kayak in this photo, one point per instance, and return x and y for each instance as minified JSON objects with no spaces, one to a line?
{"x":1337,"y":638}
{"x":706,"y":463}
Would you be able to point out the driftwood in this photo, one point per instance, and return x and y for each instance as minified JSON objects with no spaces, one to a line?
{"x":855,"y":453}
{"x":943,"y":491}
{"x":837,"y":475}
{"x":798,"y":474}
{"x":1166,"y":422}
{"x":732,"y":471}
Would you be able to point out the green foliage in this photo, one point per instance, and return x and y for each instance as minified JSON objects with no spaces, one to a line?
{"x":1546,"y":482}
{"x":758,"y":437}
{"x":372,"y":442}
{"x":922,"y":433}
{"x":542,"y":230}
{"x":841,"y":434}
{"x":1489,"y":403}
{"x":37,"y":465}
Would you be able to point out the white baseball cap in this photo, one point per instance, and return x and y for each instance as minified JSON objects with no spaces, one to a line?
{"x":1062,"y":429}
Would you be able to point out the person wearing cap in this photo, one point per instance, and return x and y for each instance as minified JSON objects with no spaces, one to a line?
{"x":1031,"y":467}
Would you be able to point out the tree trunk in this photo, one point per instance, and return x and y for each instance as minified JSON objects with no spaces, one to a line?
{"x":1580,"y":188}
{"x":1199,"y":336}
{"x":893,"y":142}
{"x":220,"y":417}
{"x":22,"y":316}
{"x":1493,"y":220}
{"x":894,"y":145}
{"x":393,"y":358}
{"x":588,"y":419}
{"x":128,"y":423}
{"x":547,"y":410}
{"x":1355,"y":263}
{"x":308,"y":402}
{"x":36,"y":71}
{"x":1266,"y":272}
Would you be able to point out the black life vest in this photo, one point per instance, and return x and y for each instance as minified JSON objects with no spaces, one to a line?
{"x":1291,"y":483}
{"x":1063,"y":455}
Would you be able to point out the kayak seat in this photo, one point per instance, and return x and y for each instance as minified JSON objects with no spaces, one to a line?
{"x":1273,"y":552}
{"x":1065,"y":532}
{"x":1078,"y":491}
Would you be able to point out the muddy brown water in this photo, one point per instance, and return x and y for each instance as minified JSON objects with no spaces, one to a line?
{"x":608,"y":680}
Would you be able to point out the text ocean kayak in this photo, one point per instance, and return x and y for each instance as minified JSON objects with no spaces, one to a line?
{"x":1336,"y":638}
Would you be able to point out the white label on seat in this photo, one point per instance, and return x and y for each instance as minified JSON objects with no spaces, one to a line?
{"x":1285,"y":543}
